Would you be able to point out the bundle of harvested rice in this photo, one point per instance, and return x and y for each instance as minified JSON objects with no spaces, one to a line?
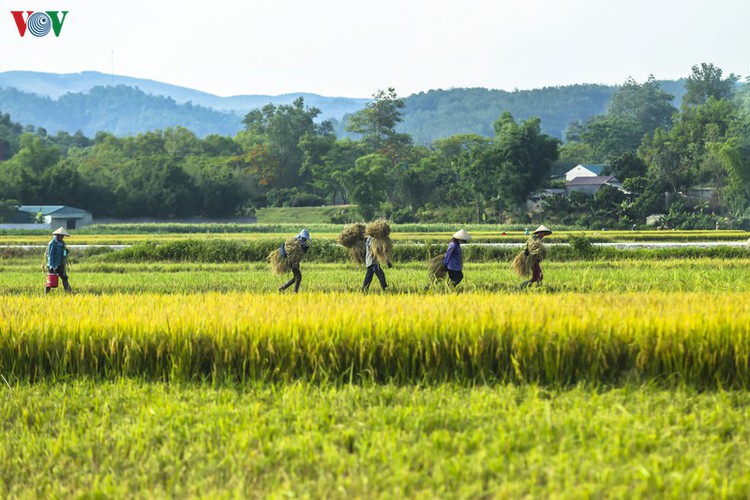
{"x":378,"y":229}
{"x":294,"y":255}
{"x":537,"y":250}
{"x":357,"y":252}
{"x":279,"y":264}
{"x":436,"y":269}
{"x":380,"y":244}
{"x":294,"y":251}
{"x":382,"y":249}
{"x":353,"y":238}
{"x":523,"y":264}
{"x":352,"y":235}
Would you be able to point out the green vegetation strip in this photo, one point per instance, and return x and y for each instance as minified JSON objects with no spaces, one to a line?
{"x":132,"y":439}
{"x":211,"y":250}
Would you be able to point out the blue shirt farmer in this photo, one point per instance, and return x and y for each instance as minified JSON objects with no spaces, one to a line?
{"x":56,"y":253}
{"x":453,"y":260}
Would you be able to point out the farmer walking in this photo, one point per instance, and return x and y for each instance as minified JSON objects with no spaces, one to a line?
{"x":454,"y":260}
{"x":451,"y":263}
{"x":378,"y":251}
{"x":528,"y":261}
{"x":288,"y":257}
{"x":373,"y":267}
{"x":56,"y":261}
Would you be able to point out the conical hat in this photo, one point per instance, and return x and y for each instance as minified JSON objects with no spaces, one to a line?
{"x":543,"y":229}
{"x":462,"y":235}
{"x":61,"y":231}
{"x":304,"y":234}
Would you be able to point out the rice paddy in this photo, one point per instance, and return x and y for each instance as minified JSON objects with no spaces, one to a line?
{"x":615,"y":378}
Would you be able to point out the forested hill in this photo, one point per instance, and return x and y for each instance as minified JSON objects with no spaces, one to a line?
{"x":441,"y":113}
{"x":90,"y":103}
{"x":119,"y":110}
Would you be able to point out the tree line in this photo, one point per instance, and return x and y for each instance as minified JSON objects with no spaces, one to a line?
{"x":286,"y":156}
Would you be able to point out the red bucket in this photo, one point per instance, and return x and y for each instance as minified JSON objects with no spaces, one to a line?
{"x":52,"y":280}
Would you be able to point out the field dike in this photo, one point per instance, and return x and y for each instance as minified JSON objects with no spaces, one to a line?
{"x":679,"y":338}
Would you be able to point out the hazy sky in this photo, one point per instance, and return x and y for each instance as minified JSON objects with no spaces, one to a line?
{"x":353,"y":48}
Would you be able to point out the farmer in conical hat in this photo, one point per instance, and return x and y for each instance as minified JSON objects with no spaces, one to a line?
{"x":528,"y":261}
{"x":304,"y":243}
{"x":453,"y":260}
{"x":57,"y":258}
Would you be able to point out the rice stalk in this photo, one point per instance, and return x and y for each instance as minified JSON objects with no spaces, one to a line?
{"x":436,"y":269}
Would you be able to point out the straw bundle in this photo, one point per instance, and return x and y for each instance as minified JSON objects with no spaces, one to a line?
{"x":357,"y":252}
{"x":436,"y":269}
{"x":381,"y":245}
{"x":379,"y":229}
{"x":352,"y":234}
{"x":294,"y":251}
{"x":523,"y":264}
{"x":279,"y":264}
{"x":353,"y":238}
{"x":294,"y":255}
{"x":538,"y":250}
{"x":382,"y":249}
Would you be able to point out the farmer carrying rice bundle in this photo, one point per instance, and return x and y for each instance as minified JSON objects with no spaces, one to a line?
{"x":288,"y":257}
{"x":353,"y":238}
{"x":56,"y":261}
{"x":452,"y":262}
{"x":527,"y":261}
{"x":378,"y":250}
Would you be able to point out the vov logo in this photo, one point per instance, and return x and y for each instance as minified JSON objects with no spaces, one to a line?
{"x":39,"y":23}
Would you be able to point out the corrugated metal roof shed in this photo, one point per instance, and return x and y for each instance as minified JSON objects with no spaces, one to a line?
{"x":58,"y":210}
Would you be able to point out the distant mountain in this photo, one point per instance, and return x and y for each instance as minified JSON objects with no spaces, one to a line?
{"x":93,"y":102}
{"x":55,"y":85}
{"x":119,"y":110}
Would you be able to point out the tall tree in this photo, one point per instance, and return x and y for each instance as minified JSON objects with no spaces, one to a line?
{"x":524,"y":156}
{"x":635,"y":111}
{"x":376,"y":123}
{"x":707,"y":81}
{"x":282,"y":129}
{"x":646,"y":104}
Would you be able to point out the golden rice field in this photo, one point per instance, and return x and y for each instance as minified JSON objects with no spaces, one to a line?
{"x":161,"y":380}
{"x":673,"y":338}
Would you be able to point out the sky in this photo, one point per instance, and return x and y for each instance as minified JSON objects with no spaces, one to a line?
{"x":353,"y":48}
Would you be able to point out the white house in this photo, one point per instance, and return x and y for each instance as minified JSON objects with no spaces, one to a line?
{"x":48,"y":217}
{"x":584,"y":170}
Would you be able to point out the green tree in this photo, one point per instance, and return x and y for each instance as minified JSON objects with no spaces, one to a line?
{"x":22,"y":177}
{"x":626,"y":166}
{"x":10,"y":137}
{"x":465,"y":174}
{"x":282,"y":130}
{"x":376,"y":123}
{"x":645,"y":104}
{"x":635,"y":111}
{"x":367,"y":183}
{"x":707,"y":81}
{"x":329,"y":172}
{"x":524,"y":156}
